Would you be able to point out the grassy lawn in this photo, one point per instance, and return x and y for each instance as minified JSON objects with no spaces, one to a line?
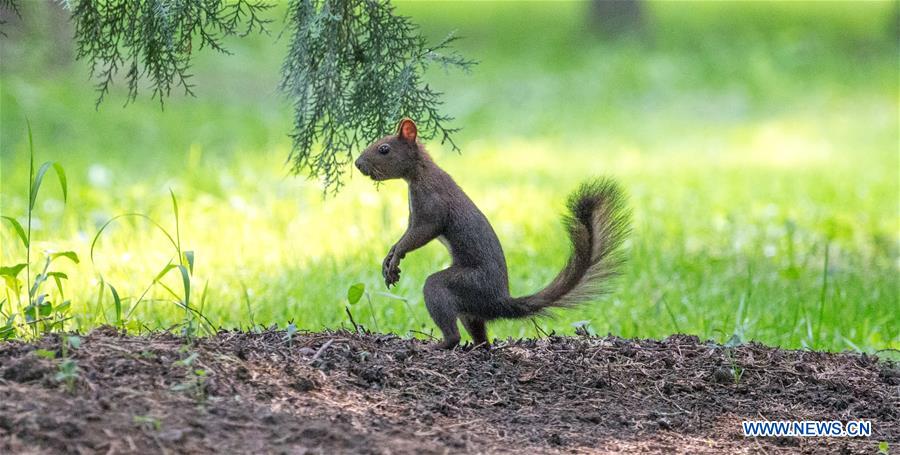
{"x":758,"y":142}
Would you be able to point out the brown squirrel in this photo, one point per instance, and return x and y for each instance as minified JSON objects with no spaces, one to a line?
{"x":475,"y":288}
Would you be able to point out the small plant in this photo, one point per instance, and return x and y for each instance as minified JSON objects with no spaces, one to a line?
{"x":195,"y":384}
{"x":540,"y":330}
{"x":39,"y":310}
{"x":8,"y":329}
{"x":289,"y":333}
{"x":737,"y":372}
{"x":583,"y":328}
{"x":182,"y":261}
{"x":148,"y":422}
{"x":68,"y":368}
{"x":246,"y":294}
{"x":357,"y":291}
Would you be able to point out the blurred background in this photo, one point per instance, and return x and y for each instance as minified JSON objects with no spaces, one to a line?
{"x":758,"y":142}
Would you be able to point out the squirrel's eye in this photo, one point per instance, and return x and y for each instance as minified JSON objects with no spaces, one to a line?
{"x":384,"y":149}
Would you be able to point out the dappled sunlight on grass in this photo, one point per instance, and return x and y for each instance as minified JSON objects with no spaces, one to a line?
{"x":746,"y":222}
{"x":744,"y":158}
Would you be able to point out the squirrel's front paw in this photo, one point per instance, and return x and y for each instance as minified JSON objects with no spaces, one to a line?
{"x":385,"y":264}
{"x":391,"y":270}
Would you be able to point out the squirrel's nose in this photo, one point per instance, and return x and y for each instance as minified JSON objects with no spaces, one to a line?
{"x":360,"y":164}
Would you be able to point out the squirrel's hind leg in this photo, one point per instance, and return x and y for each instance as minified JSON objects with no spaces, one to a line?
{"x":442,"y":307}
{"x":477,"y":330}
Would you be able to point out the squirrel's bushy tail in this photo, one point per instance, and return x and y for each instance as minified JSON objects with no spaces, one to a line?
{"x":598,"y":223}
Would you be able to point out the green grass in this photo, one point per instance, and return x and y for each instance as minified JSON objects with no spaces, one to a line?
{"x":751,"y":138}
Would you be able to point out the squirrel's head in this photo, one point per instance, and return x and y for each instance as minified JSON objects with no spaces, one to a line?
{"x":392,"y":157}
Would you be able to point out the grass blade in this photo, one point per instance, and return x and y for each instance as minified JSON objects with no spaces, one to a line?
{"x":19,"y":229}
{"x":177,"y":222}
{"x":139,"y":215}
{"x":186,"y":282}
{"x":36,"y":184}
{"x":30,"y":147}
{"x":117,"y":302}
{"x":61,"y":175}
{"x":189,"y":258}
{"x":203,"y":297}
{"x":824,"y":293}
{"x":163,"y":272}
{"x":39,"y":179}
{"x":70,"y":255}
{"x":58,"y":277}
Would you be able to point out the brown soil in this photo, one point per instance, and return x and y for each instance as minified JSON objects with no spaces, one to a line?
{"x":340,"y":392}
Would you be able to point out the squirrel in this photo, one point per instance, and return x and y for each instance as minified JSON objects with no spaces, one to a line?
{"x":475,"y":288}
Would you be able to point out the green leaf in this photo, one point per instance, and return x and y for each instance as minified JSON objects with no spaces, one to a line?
{"x":30,"y":157}
{"x":164,"y":271}
{"x":189,"y":258}
{"x":135,"y":326}
{"x":155,"y":423}
{"x":45,"y":309}
{"x":58,"y":277}
{"x":187,"y":361}
{"x":117,"y":302}
{"x":186,"y":282}
{"x":355,"y":292}
{"x":61,"y":174}
{"x":12,"y":283}
{"x":62,"y":307}
{"x":883,"y":447}
{"x":18,"y":228}
{"x":177,"y":221}
{"x":29,"y":312}
{"x":74,"y":341}
{"x":45,"y":354}
{"x":8,"y":330}
{"x":38,"y":280}
{"x":36,"y":184}
{"x":70,"y":255}
{"x":290,"y":331}
{"x":203,"y":297}
{"x":39,"y":178}
{"x":68,"y":369}
{"x":9,"y":275}
{"x":12,"y":271}
{"x":174,"y":203}
{"x":39,"y":309}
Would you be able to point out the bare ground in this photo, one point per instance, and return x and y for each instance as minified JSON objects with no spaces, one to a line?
{"x":342,"y":392}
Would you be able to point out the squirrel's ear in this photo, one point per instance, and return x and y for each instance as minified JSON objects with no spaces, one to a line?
{"x":407,"y":130}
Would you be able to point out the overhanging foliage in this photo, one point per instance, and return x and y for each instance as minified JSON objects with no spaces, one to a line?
{"x":354,"y":67}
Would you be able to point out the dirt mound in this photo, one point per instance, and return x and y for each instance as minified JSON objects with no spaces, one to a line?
{"x":339,"y":392}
